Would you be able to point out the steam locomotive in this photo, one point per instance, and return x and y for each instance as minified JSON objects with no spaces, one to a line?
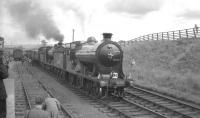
{"x":94,"y":67}
{"x":18,"y":54}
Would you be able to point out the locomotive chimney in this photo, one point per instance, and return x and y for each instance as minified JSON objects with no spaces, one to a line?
{"x":107,"y":36}
{"x":60,"y":43}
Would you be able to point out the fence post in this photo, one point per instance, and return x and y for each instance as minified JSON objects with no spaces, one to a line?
{"x":194,"y":32}
{"x":187,"y":33}
{"x":143,"y":37}
{"x":173,"y":36}
{"x":179,"y":33}
{"x":157,"y":36}
{"x":162,"y":35}
{"x":152,"y":37}
{"x":168,"y":35}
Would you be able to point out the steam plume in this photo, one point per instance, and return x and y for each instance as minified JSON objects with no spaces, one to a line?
{"x":35,"y":20}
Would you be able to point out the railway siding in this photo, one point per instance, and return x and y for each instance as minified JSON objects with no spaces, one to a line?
{"x":138,"y":104}
{"x":163,"y":104}
{"x":114,"y":108}
{"x":79,"y":107}
{"x":27,"y":88}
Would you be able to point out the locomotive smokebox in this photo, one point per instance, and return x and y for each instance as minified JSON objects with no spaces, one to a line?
{"x":107,"y":36}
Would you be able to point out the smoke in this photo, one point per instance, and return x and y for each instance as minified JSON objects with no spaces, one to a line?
{"x":35,"y":20}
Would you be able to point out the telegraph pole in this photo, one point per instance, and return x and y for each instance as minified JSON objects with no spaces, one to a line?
{"x":73,"y":35}
{"x":1,"y":42}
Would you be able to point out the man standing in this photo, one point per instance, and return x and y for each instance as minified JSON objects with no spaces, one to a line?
{"x":37,"y":111}
{"x":52,"y":105}
{"x":3,"y":95}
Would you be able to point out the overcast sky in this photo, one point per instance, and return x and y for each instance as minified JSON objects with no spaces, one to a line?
{"x":29,"y":21}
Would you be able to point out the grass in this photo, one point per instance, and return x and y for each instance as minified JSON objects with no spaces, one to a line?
{"x":167,"y":66}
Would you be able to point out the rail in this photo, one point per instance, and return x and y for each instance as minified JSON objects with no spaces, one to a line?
{"x":24,"y":88}
{"x":67,"y":112}
{"x":191,"y":33}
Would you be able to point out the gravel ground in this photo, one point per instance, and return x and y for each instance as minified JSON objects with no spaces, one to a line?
{"x":80,"y":107}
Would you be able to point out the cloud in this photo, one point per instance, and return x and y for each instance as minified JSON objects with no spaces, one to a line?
{"x":190,"y":14}
{"x":33,"y":19}
{"x":77,"y":10}
{"x":134,"y":7}
{"x":2,"y":3}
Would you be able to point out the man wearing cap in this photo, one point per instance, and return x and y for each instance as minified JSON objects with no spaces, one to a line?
{"x":52,"y":105}
{"x":3,"y":95}
{"x":37,"y":111}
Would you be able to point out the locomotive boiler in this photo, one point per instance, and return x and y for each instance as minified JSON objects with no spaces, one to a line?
{"x":103,"y":61}
{"x":98,"y":59}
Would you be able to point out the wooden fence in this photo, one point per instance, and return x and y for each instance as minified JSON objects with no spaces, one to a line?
{"x":191,"y":33}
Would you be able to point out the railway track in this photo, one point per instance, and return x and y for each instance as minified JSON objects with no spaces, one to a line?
{"x":164,"y":105}
{"x":26,"y":89}
{"x":20,"y":100}
{"x":134,"y":106}
{"x":141,"y":103}
{"x":116,"y":107}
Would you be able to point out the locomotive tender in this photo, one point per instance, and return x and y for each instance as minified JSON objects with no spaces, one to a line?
{"x":18,"y":54}
{"x":95,"y":67}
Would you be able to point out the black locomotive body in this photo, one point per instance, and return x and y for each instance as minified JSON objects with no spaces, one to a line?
{"x":18,"y":54}
{"x":95,"y":67}
{"x":101,"y":58}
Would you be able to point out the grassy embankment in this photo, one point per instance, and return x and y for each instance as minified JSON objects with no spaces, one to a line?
{"x":167,"y":66}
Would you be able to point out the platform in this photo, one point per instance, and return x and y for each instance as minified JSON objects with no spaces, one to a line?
{"x":9,"y":84}
{"x":10,"y":90}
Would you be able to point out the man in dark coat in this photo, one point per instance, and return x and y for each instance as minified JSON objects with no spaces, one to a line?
{"x":52,"y":105}
{"x":37,"y":111}
{"x":3,"y":95}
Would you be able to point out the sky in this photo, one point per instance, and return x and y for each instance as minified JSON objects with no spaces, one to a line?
{"x":30,"y":21}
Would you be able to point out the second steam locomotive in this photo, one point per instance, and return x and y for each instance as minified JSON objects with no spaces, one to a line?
{"x":92,"y":66}
{"x":18,"y":54}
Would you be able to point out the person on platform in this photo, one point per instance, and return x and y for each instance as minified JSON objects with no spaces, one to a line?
{"x":37,"y":111}
{"x":52,"y":105}
{"x":3,"y":95}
